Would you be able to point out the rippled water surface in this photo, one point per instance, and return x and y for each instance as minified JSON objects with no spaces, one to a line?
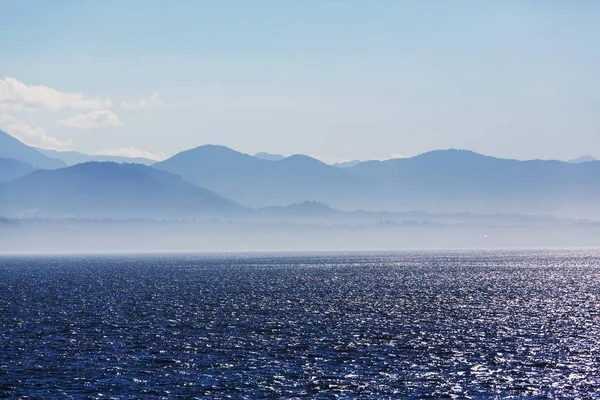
{"x":430,"y":325}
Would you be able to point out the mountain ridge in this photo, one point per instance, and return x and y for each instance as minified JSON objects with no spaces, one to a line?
{"x":11,"y":147}
{"x":438,"y":181}
{"x":11,"y":169}
{"x":460,"y":180}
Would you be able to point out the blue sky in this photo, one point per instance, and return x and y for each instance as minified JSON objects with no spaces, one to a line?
{"x":339,"y":80}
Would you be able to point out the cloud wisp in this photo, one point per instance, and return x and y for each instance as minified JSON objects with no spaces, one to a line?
{"x":91,"y":120}
{"x":17,"y":96}
{"x":32,"y":135}
{"x":150,"y":102}
{"x":132,"y":152}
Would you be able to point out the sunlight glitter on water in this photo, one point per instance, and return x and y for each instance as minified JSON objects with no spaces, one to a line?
{"x":429,"y":325}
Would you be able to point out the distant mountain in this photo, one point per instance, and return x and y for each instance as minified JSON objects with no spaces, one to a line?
{"x":269,"y":156}
{"x":109,"y":190}
{"x":74,"y":157}
{"x":314,"y":212}
{"x":11,"y":169}
{"x":347,"y":164}
{"x":10,"y":147}
{"x":256,"y":182}
{"x":300,"y":211}
{"x":582,"y":159}
{"x":459,"y":180}
{"x":442,"y":181}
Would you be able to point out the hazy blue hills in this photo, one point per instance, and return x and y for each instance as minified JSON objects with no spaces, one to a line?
{"x":109,"y":190}
{"x":315,"y":212}
{"x":438,"y":181}
{"x":199,"y":181}
{"x":257,"y":182}
{"x":10,"y":147}
{"x":74,"y":157}
{"x":459,"y":180}
{"x":11,"y":169}
{"x":300,"y":211}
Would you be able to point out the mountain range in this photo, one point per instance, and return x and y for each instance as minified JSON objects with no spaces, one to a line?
{"x":216,"y":180}
{"x":257,"y":182}
{"x":437,"y":181}
{"x":460,"y":180}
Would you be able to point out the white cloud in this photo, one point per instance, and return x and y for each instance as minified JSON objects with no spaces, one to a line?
{"x":150,"y":102}
{"x":17,"y":96}
{"x":393,"y":156}
{"x":10,"y":108}
{"x":94,"y":119}
{"x":32,"y":135}
{"x":132,"y":152}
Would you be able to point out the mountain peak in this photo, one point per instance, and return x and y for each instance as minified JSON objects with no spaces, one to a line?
{"x":451,"y":153}
{"x":211,"y":150}
{"x":212,"y":147}
{"x":582,"y":159}
{"x":206,"y":156}
{"x":109,"y":190}
{"x":302,"y":159}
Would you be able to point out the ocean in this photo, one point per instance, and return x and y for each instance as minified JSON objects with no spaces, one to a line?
{"x":463,"y":324}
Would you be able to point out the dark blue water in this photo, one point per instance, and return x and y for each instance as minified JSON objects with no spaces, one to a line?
{"x":430,"y":325}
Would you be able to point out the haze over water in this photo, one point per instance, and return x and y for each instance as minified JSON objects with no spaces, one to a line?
{"x":373,"y":325}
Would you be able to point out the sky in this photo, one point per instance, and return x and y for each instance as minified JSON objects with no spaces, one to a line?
{"x":337,"y":80}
